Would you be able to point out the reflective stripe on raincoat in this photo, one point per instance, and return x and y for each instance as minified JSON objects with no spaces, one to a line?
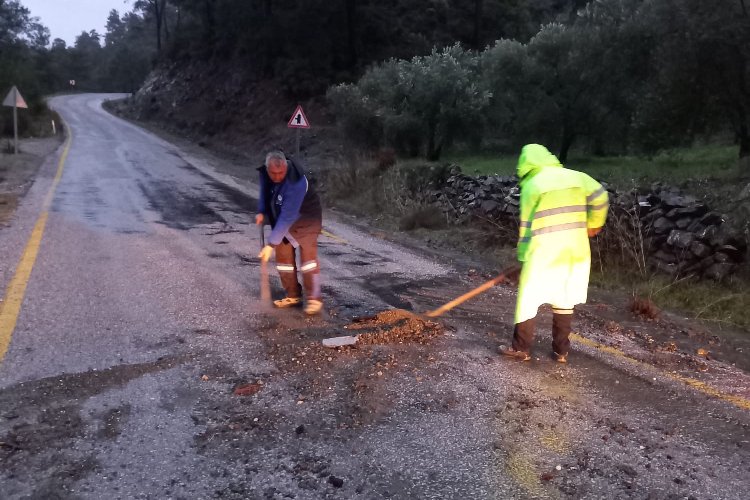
{"x":558,"y":205}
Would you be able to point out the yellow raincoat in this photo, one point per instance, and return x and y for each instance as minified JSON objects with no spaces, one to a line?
{"x":558,"y":206}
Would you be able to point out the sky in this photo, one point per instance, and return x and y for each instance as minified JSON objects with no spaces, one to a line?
{"x":67,"y":18}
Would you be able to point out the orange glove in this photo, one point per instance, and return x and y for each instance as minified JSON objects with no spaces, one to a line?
{"x":265,"y":253}
{"x":593,"y":231}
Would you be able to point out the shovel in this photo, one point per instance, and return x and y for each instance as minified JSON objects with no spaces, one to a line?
{"x":511,"y":271}
{"x":265,"y":287}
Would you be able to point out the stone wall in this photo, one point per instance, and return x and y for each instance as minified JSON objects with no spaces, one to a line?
{"x":680,"y":235}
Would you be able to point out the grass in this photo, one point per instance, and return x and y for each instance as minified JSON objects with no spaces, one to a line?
{"x":726,"y":304}
{"x":484,"y":164}
{"x":713,"y":161}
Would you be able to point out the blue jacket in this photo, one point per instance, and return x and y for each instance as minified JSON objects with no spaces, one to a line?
{"x":292,"y":207}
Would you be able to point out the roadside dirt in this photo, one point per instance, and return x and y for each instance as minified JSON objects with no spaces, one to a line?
{"x":17,"y":172}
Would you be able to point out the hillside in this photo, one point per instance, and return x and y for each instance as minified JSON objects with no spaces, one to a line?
{"x":219,"y":107}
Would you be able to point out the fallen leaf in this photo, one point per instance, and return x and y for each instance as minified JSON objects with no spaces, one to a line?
{"x":247,"y":389}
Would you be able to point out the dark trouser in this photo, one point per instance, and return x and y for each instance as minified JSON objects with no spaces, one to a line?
{"x":523,"y":333}
{"x":286,"y":264}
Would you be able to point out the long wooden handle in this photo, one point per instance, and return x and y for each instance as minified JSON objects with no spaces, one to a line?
{"x":265,"y":286}
{"x":463,"y":298}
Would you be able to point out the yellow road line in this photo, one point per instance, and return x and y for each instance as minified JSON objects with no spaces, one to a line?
{"x":555,"y":440}
{"x":604,"y":348}
{"x":520,"y":467}
{"x":333,"y":236}
{"x":738,"y":401}
{"x":703,"y":387}
{"x":10,"y":307}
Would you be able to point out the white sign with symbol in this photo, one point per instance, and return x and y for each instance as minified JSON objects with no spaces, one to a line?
{"x":298,"y":119}
{"x":14,"y":99}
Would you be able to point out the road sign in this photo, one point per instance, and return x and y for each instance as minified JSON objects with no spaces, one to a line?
{"x":14,"y":99}
{"x":298,"y":119}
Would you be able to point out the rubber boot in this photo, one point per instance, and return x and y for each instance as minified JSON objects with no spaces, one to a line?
{"x":523,"y":335}
{"x":561,"y":326}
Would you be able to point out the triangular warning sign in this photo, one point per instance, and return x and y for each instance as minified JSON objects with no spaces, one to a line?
{"x":298,"y":119}
{"x":14,"y":98}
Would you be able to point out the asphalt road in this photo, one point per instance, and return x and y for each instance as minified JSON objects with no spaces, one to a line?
{"x":133,"y":297}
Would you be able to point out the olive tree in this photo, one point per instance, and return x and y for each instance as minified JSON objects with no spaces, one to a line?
{"x":702,"y":69}
{"x":432,"y":99}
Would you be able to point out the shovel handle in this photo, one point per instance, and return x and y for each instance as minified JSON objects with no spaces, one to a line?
{"x":463,"y":298}
{"x":265,"y":288}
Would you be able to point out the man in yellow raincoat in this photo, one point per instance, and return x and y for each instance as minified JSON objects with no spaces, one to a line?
{"x":560,"y":210}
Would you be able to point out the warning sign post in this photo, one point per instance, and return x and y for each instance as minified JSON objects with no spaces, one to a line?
{"x":298,"y":121}
{"x":15,"y":100}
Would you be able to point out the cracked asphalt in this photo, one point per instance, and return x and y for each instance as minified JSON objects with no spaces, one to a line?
{"x":141,"y":328}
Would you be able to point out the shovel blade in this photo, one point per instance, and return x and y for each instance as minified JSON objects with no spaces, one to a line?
{"x":340,"y":341}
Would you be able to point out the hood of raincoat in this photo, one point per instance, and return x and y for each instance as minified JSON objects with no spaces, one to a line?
{"x":534,"y":157}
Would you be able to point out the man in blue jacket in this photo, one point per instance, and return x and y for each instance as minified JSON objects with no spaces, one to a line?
{"x":291,"y":206}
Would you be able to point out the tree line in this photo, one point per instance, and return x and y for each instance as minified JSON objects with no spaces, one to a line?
{"x":622,"y":76}
{"x":609,"y":76}
{"x":305,"y":46}
{"x":117,"y":60}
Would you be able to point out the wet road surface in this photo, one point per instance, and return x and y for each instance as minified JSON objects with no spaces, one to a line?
{"x":141,"y":316}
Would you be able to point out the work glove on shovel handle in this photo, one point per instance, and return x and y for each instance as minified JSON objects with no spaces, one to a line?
{"x":512,"y":274}
{"x":265,"y":253}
